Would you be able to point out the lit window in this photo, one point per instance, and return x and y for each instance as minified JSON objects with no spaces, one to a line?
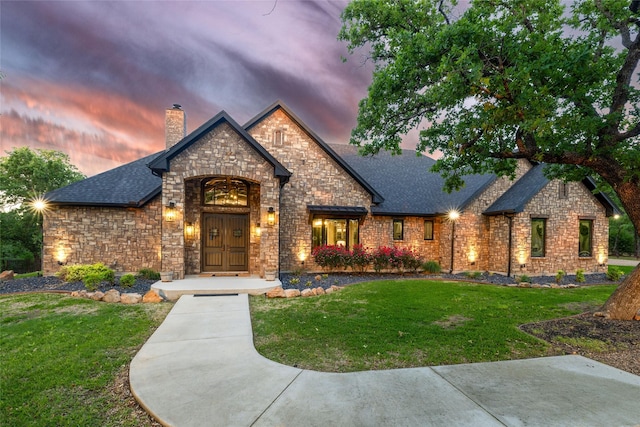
{"x":428,"y":229}
{"x":225,"y":192}
{"x":335,"y":232}
{"x":538,"y":237}
{"x":398,"y":229}
{"x":585,"y":238}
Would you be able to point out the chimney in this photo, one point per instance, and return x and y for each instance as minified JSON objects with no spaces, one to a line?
{"x":175,"y":127}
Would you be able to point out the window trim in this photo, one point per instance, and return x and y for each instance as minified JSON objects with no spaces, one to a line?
{"x":432,"y":234}
{"x":393,"y":229}
{"x":323,"y":230}
{"x":229,"y":180}
{"x":544,"y":237}
{"x":581,"y":253}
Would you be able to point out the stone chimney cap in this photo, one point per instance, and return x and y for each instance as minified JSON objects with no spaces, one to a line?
{"x":177,"y":106}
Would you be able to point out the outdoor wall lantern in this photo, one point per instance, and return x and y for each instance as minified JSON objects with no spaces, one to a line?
{"x":170,"y":212}
{"x":271,"y":216}
{"x":190,"y":230}
{"x":258,"y":230}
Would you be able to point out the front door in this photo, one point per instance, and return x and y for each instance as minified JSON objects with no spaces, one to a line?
{"x":225,"y":242}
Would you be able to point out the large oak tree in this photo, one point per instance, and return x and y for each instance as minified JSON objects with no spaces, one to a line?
{"x":499,"y":80}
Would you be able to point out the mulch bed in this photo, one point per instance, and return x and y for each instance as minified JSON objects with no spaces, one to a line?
{"x":613,"y":342}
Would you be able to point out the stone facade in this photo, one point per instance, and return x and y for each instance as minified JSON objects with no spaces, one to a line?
{"x":125,"y":239}
{"x":128,"y":239}
{"x":317,"y":180}
{"x":220,"y":153}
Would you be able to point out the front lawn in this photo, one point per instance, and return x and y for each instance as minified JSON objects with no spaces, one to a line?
{"x":409,"y":323}
{"x":64,"y":360}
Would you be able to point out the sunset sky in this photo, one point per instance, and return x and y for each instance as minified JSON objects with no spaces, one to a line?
{"x":93,"y":78}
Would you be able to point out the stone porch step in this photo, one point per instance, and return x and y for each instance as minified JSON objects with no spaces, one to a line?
{"x":196,"y":285}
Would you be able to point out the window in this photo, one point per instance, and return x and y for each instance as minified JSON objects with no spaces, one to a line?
{"x":585,"y":238}
{"x":335,"y":232}
{"x":278,"y":137}
{"x":563,"y":192}
{"x":225,"y":192}
{"x":398,"y":229}
{"x":538,"y":237}
{"x":428,"y":229}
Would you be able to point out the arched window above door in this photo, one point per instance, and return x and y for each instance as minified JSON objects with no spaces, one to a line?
{"x":225,"y":192}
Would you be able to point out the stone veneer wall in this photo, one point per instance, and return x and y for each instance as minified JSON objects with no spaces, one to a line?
{"x":125,"y":239}
{"x":486,"y":239}
{"x":378,"y":231}
{"x":222,"y":152}
{"x":563,"y":217}
{"x":316,"y":180}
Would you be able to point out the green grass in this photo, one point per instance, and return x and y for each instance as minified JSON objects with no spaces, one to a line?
{"x":25,"y":275}
{"x":626,"y":269}
{"x":61,"y":355}
{"x":399,"y":324}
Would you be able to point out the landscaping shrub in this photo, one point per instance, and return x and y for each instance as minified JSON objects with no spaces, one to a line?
{"x":383,"y":258}
{"x":149,"y":274}
{"x":410,"y":261}
{"x":330,"y":256}
{"x":432,"y":267}
{"x":523,"y":279}
{"x":580,"y":276}
{"x":359,"y":259}
{"x":473,"y":274}
{"x":78,"y":273}
{"x":91,"y":281}
{"x":386,"y":257}
{"x":614,"y":274}
{"x":560,"y":275}
{"x":127,"y":280}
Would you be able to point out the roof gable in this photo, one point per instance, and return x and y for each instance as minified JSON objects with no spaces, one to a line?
{"x":515,"y":199}
{"x":279,"y":105}
{"x":162,"y":163}
{"x":129,"y":185}
{"x":520,"y":193}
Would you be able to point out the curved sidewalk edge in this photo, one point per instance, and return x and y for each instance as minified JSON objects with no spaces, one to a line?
{"x":200,"y":368}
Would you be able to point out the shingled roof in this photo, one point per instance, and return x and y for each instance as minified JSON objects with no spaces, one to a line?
{"x":515,"y":199}
{"x":407,"y":184}
{"x":129,"y":185}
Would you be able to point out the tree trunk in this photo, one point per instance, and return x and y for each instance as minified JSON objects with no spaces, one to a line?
{"x":624,"y":303}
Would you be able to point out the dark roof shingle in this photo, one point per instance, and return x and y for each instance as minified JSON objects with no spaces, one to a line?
{"x":131,"y":184}
{"x":407,"y":184}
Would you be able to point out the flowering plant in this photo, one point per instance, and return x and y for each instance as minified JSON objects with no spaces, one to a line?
{"x":331,"y":256}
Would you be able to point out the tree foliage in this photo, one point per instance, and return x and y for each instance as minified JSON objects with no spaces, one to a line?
{"x":502,"y":80}
{"x":27,"y":173}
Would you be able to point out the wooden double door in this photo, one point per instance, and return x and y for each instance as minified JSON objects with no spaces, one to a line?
{"x":225,"y":242}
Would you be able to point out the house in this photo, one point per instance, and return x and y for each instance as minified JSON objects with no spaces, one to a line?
{"x":258,"y":198}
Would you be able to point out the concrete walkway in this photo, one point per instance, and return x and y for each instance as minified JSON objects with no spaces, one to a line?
{"x":200,"y":369}
{"x":627,"y":262}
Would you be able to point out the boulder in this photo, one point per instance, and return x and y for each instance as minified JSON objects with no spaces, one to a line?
{"x":96,"y":296}
{"x":111,"y":295}
{"x":320,"y":290}
{"x":307,"y":293}
{"x":276,"y":292}
{"x":328,"y":290}
{"x":318,"y":278}
{"x":336,"y":288}
{"x":291,"y":293}
{"x":151,"y":297}
{"x":131,"y":298}
{"x":6,"y":275}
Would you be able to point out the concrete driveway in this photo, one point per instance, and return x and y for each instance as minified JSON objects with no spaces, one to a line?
{"x":200,"y":369}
